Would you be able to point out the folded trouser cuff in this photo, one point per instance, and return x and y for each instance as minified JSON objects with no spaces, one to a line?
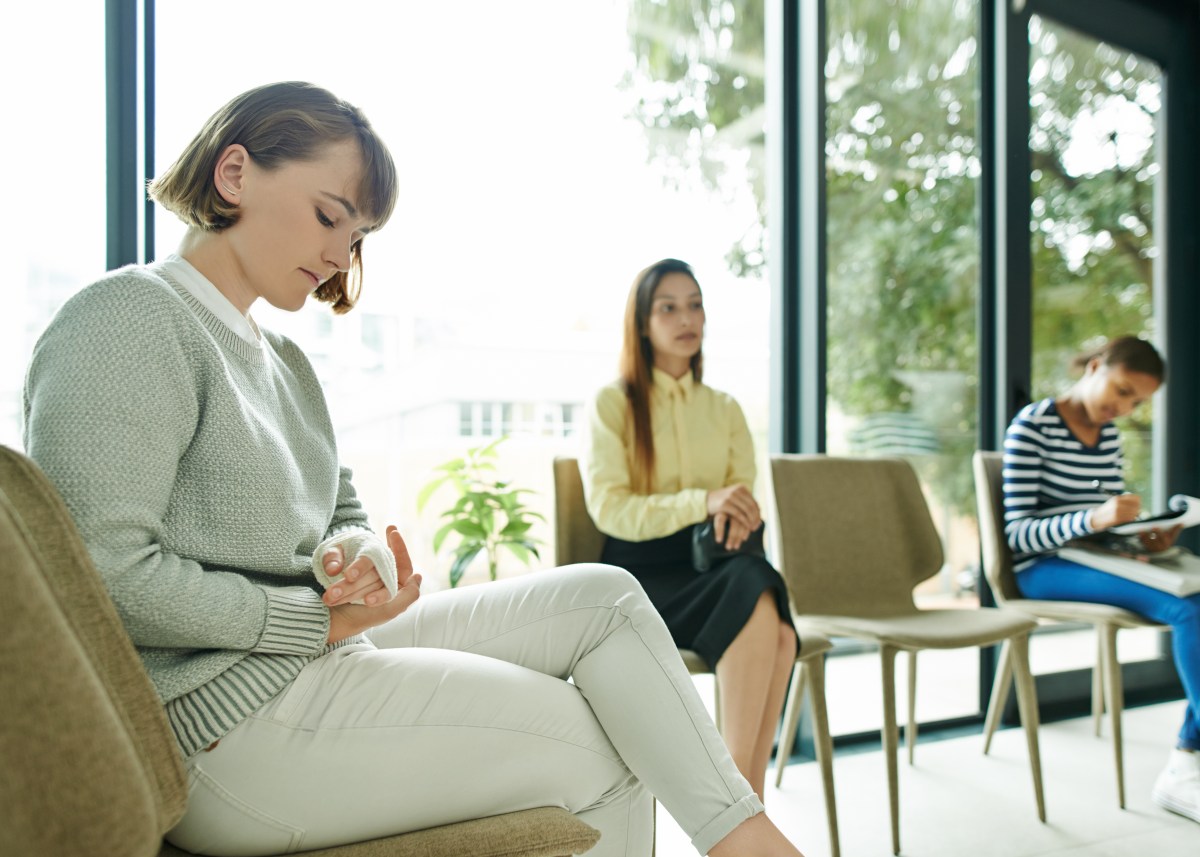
{"x":723,"y":824}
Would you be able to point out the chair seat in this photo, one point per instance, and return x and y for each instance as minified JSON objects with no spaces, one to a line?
{"x":1080,"y":611}
{"x":695,"y":664}
{"x":927,"y":629}
{"x":541,"y":832}
{"x":812,"y":643}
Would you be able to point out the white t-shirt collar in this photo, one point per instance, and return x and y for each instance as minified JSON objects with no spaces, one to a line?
{"x":202,"y":289}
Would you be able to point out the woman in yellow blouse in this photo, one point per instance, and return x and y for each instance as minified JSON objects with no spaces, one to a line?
{"x":665,"y":453}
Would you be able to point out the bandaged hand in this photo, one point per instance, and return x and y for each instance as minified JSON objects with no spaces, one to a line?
{"x":355,"y":567}
{"x":347,"y":619}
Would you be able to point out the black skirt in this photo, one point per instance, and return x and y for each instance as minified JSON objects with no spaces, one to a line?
{"x":704,"y":611}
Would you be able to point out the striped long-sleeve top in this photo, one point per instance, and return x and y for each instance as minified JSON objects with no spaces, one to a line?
{"x":1049,"y":477}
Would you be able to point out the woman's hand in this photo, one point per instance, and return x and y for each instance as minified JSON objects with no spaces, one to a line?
{"x":361,"y":580}
{"x":1159,"y":540}
{"x":1119,"y":509}
{"x":735,"y":514}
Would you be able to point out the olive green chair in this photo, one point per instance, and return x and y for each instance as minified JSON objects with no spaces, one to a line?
{"x":88,"y":765}
{"x":856,"y":538}
{"x":576,"y":539}
{"x":1106,"y":619}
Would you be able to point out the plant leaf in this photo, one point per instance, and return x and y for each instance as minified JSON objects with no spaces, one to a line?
{"x":515,"y":527}
{"x":427,"y":491}
{"x":519,"y":551}
{"x":440,"y":536}
{"x":470,"y":529}
{"x":462,"y":559}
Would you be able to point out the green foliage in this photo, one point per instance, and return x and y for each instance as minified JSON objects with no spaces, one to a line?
{"x":902,"y":190}
{"x":487,"y":515}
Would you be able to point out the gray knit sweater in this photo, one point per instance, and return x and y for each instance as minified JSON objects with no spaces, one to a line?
{"x":202,"y":473}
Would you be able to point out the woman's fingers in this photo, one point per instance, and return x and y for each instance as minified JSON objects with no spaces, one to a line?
{"x":1160,"y":540}
{"x":407,"y":595}
{"x":720,"y":527}
{"x":742,"y":508}
{"x":348,"y":593}
{"x":404,"y":566}
{"x":332,"y":561}
{"x":358,"y":580}
{"x":737,"y":535}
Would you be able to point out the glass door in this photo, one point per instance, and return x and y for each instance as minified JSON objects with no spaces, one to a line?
{"x":1094,"y":112}
{"x":902,"y":186}
{"x":1085,"y":253}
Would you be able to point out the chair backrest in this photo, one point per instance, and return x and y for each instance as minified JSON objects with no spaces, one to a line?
{"x":855,"y":534}
{"x":90,"y":765}
{"x":576,"y":538}
{"x":989,"y":501}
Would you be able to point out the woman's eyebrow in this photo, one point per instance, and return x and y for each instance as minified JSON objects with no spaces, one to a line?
{"x":674,"y":298}
{"x":345,"y":203}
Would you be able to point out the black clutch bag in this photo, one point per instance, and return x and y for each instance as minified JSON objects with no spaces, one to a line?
{"x":706,"y":551}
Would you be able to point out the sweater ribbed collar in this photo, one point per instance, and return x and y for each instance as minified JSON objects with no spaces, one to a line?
{"x":225,"y":335}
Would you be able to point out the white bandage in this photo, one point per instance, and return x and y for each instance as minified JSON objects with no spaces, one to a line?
{"x":355,"y":544}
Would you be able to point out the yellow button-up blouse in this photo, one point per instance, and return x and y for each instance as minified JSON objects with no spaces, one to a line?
{"x":701,"y":443}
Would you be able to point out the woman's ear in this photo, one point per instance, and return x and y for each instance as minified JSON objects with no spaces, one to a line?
{"x":230,"y":173}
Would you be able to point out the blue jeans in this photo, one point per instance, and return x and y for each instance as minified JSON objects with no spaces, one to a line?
{"x":1055,"y":579}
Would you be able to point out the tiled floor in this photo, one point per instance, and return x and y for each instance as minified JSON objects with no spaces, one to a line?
{"x":956,"y":802}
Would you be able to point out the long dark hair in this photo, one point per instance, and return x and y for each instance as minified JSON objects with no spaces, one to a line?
{"x":637,"y":364}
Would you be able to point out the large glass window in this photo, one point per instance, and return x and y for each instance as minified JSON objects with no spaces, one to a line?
{"x":538,"y":175}
{"x":1093,"y":116}
{"x":54,"y":219}
{"x":902,"y":155}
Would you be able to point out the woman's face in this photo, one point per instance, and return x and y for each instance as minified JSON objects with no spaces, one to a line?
{"x":297,"y":225}
{"x":1111,"y":391}
{"x":676,"y":323}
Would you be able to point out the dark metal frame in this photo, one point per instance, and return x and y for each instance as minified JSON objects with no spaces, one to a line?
{"x":1163,"y":30}
{"x":125,"y":22}
{"x":1167,"y":31}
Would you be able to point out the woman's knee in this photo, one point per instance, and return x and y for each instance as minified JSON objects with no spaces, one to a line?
{"x":603,"y":583}
{"x":787,"y":639}
{"x":1185,"y":614}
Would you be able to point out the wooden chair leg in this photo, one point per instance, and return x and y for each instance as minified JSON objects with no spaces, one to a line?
{"x":716,"y":702}
{"x":1116,"y":692}
{"x":1098,"y":682}
{"x":1027,"y":705}
{"x":887,"y":655}
{"x":814,"y":669}
{"x":1000,"y":686}
{"x":910,"y":731}
{"x":791,"y":719}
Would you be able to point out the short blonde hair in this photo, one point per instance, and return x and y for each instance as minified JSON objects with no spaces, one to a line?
{"x":279,"y":123}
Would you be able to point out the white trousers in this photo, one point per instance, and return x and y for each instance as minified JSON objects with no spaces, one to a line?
{"x":461,"y":708}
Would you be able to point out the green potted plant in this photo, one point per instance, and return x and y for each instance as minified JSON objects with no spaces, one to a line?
{"x":488,"y":513}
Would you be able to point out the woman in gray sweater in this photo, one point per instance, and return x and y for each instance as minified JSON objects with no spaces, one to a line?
{"x":315,"y":700}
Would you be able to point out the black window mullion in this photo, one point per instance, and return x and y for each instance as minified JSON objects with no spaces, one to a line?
{"x":120,"y":63}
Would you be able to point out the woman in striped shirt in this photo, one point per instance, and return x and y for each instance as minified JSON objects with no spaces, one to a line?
{"x":1062,"y":480}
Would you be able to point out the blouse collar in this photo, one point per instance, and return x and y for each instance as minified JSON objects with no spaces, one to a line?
{"x":682,"y":387}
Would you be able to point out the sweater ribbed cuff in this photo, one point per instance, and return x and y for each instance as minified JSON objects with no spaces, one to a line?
{"x":297,"y":622}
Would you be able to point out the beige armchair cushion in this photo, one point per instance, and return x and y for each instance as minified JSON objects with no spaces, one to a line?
{"x":89,"y":763}
{"x":86,"y":767}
